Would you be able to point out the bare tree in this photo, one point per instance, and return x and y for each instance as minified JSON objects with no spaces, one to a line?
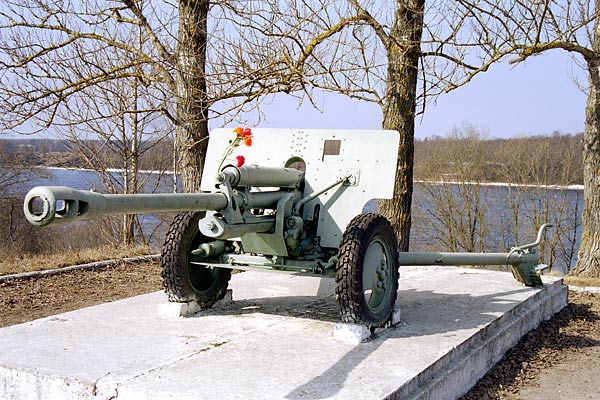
{"x":9,"y":177}
{"x":460,"y":194}
{"x":453,"y":194}
{"x":531,"y":28}
{"x":365,"y":50}
{"x":394,"y":53}
{"x":113,"y":128}
{"x":49,"y":52}
{"x":115,"y":147}
{"x":11,"y":172}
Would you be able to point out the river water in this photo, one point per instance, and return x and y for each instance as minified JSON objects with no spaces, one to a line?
{"x":446,"y":217}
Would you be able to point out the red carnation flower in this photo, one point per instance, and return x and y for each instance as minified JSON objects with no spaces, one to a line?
{"x":240,"y":160}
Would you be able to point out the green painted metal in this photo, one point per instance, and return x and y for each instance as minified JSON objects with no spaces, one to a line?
{"x":58,"y":205}
{"x":247,"y":262}
{"x":210,"y":249}
{"x":441,"y":258}
{"x":272,"y":243}
{"x":525,"y":262}
{"x":376,"y":278}
{"x":259,"y":176}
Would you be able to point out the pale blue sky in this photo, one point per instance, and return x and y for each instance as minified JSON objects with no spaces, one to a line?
{"x":535,"y":97}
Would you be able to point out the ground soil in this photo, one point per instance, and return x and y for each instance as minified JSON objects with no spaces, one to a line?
{"x":560,"y":359}
{"x":23,"y":300}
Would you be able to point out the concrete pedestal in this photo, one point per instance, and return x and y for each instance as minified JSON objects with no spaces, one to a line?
{"x":275,"y":341}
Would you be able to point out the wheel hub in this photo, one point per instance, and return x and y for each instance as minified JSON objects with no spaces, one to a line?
{"x":375,"y":274}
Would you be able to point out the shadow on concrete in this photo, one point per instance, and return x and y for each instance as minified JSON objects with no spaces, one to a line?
{"x":309,"y":307}
{"x":423,"y":313}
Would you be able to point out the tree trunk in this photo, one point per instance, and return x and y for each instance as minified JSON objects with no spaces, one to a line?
{"x":191,"y":132}
{"x":588,"y":262}
{"x":127,"y":228}
{"x":399,"y":110}
{"x":130,"y":158}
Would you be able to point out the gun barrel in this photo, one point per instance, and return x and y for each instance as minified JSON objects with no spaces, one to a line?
{"x":57,"y":205}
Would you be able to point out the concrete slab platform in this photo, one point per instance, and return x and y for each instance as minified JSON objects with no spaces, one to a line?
{"x":274,"y":341}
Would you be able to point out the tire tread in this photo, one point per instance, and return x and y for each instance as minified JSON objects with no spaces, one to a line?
{"x":349,"y":293}
{"x":174,"y":263}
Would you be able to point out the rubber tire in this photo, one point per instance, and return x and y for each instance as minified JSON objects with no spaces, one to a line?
{"x":185,"y":282}
{"x":350,"y":294}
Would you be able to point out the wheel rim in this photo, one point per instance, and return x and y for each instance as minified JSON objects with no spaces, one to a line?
{"x":377,"y":275}
{"x":201,"y":278}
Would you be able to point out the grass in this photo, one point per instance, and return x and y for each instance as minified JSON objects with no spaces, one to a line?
{"x":26,"y":263}
{"x":579,"y":281}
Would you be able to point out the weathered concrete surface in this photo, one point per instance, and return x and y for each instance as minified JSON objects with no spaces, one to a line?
{"x":275,"y":342}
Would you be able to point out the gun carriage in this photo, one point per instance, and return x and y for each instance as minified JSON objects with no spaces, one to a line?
{"x":295,"y":205}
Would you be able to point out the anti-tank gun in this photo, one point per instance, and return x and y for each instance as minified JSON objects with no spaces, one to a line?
{"x":295,"y":205}
{"x":285,"y":209}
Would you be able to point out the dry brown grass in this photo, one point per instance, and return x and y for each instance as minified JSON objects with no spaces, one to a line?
{"x":578,"y":281}
{"x":26,"y":263}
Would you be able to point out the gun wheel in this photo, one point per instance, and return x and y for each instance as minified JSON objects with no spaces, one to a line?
{"x":367,"y":271}
{"x":182,"y":280}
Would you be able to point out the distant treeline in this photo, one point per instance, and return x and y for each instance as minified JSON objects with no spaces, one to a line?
{"x":155,"y":155}
{"x":538,"y":160}
{"x":463,"y":156}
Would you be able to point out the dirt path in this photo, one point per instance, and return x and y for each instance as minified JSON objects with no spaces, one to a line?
{"x":560,"y":359}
